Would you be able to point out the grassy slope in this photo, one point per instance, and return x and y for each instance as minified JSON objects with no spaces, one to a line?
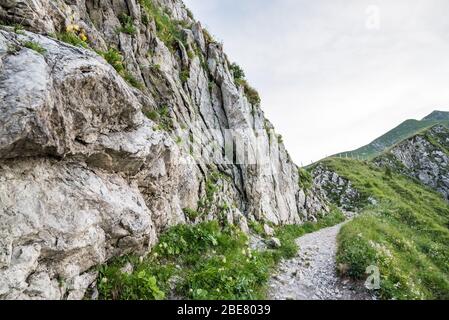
{"x":406,"y":235}
{"x":209,"y":261}
{"x":403,"y":131}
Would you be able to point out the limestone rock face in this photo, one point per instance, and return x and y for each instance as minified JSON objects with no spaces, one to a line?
{"x":424,"y":157}
{"x":337,"y":190}
{"x":96,"y":160}
{"x":59,"y":219}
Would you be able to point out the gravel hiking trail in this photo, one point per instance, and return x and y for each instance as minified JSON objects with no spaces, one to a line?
{"x":311,"y":275}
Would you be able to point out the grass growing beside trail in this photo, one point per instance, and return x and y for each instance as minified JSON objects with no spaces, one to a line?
{"x":288,"y":234}
{"x":406,"y":235}
{"x":203,"y":261}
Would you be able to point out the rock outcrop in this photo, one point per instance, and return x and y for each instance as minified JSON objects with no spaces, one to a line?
{"x":424,"y":157}
{"x":106,"y":144}
{"x":337,"y":190}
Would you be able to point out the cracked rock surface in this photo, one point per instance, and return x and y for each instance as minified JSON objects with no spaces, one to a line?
{"x":86,"y":175}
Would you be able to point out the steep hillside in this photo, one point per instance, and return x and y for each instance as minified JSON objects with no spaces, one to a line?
{"x":403,"y":226}
{"x":424,"y":157}
{"x":120,"y":119}
{"x":405,"y":130}
{"x":438,"y":116}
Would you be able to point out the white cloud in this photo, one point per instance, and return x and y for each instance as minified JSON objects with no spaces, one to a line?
{"x":327,"y":82}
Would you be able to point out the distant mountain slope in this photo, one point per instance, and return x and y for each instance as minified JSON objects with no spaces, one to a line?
{"x":405,"y":130}
{"x":424,"y":157}
{"x":438,"y":115}
{"x":402,"y":201}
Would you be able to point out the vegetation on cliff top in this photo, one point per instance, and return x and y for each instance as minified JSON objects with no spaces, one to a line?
{"x":239,"y":77}
{"x":406,"y":235}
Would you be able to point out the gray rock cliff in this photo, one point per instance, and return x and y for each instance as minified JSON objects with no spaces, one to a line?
{"x":106,"y":144}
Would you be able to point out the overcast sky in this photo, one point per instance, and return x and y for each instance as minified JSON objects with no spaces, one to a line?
{"x":335,"y":74}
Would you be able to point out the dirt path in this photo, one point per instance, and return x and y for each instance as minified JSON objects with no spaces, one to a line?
{"x":311,"y":274}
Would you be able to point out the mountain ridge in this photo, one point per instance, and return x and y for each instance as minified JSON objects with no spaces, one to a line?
{"x":403,"y":131}
{"x":438,"y":115}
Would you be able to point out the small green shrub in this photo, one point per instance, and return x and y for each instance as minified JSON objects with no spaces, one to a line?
{"x":251,"y":94}
{"x":280,"y":139}
{"x":184,"y":76}
{"x":19,"y":29}
{"x":305,"y":179}
{"x":128,"y":76}
{"x":114,"y":284}
{"x":237,"y":72}
{"x":114,"y":58}
{"x":212,"y":184}
{"x":191,"y":214}
{"x":127,"y":24}
{"x":168,"y":30}
{"x":145,"y":19}
{"x":152,"y":115}
{"x":208,"y":37}
{"x":13,"y":49}
{"x":162,"y":118}
{"x":256,"y":227}
{"x":359,"y":253}
{"x":72,"y":38}
{"x":388,"y":173}
{"x":35,"y":47}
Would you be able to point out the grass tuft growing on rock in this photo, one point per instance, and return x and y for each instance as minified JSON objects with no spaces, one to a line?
{"x":127,"y":25}
{"x":251,"y":94}
{"x":305,"y":179}
{"x":73,"y":39}
{"x":168,"y":30}
{"x":184,"y":76}
{"x":239,"y":77}
{"x":128,"y":76}
{"x":237,"y":71}
{"x":162,"y":117}
{"x":115,"y":59}
{"x":35,"y":47}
